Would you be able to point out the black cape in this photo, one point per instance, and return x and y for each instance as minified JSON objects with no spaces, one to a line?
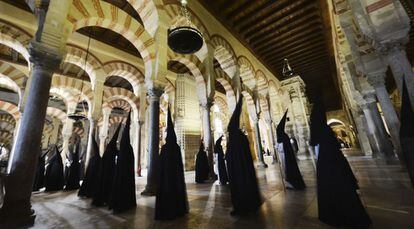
{"x":338,"y":200}
{"x":123,"y":189}
{"x":407,"y":132}
{"x":91,"y":179}
{"x":73,"y":178}
{"x":106,"y":172}
{"x":245,"y":195}
{"x":201,"y":165}
{"x":39,"y":181}
{"x":222,"y":170}
{"x":171,"y":198}
{"x":54,"y":178}
{"x":292,"y":172}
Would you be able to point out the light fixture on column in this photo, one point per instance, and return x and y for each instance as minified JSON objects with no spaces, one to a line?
{"x":287,"y":70}
{"x":185,"y":39}
{"x":78,"y":116}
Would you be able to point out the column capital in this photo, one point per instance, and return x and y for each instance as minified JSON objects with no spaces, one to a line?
{"x":43,"y":57}
{"x":370,"y":97}
{"x":376,"y":79}
{"x":155,"y":93}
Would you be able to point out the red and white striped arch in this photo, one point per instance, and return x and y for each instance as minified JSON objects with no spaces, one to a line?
{"x":10,"y":108}
{"x":127,"y":71}
{"x":98,"y":13}
{"x":15,"y":38}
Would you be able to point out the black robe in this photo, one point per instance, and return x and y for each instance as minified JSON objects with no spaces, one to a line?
{"x":171,"y":198}
{"x":39,"y":181}
{"x":292,"y":172}
{"x":91,"y":179}
{"x":123,"y":188}
{"x":201,"y":165}
{"x":54,"y":177}
{"x":338,"y":200}
{"x":106,"y":172}
{"x":407,"y":132}
{"x":73,"y":178}
{"x":222,"y":170}
{"x":245,"y":194}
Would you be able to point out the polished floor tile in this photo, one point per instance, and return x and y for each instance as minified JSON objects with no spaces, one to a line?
{"x":385,"y":189}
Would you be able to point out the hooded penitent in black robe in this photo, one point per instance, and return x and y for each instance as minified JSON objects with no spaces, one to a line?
{"x":91,"y":179}
{"x":106,"y":172}
{"x":54,"y":178}
{"x":245,"y":195}
{"x":39,"y":181}
{"x":73,"y":178}
{"x":123,"y":189}
{"x":292,"y":172}
{"x":201,"y":165}
{"x":338,"y":200}
{"x":407,"y":132}
{"x":222,"y":170}
{"x":171,"y":199}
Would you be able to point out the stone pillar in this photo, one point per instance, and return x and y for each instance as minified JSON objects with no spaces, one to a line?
{"x":400,"y":67}
{"x":298,"y":111}
{"x":66,"y":134}
{"x":103,"y":135}
{"x":379,"y":140}
{"x":259,"y":142}
{"x":208,"y":138}
{"x":55,"y":132}
{"x":17,"y":208}
{"x":154,"y":95}
{"x":390,"y":115}
{"x":139,"y":142}
{"x":92,"y":130}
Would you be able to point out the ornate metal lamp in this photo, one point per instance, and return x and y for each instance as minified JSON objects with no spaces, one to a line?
{"x":287,"y":70}
{"x":185,"y":39}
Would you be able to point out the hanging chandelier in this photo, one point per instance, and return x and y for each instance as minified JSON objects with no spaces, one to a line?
{"x":287,"y":70}
{"x":185,"y":39}
{"x":80,"y":115}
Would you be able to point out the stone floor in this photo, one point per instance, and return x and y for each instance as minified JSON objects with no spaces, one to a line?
{"x":385,"y":189}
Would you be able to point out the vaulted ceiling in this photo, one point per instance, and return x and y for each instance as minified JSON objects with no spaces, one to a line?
{"x":274,"y":30}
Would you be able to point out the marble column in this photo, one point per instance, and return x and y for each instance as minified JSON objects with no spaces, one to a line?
{"x":208,"y":139}
{"x":259,"y":142}
{"x":103,"y":135}
{"x":139,"y":143}
{"x":390,"y":115}
{"x":92,"y":130}
{"x":400,"y":67}
{"x":17,"y":209}
{"x":379,"y":140}
{"x":154,"y":95}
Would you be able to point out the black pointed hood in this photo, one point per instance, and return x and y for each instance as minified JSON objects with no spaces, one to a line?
{"x":171,"y":136}
{"x":317,"y":121}
{"x":235,"y":118}
{"x":219,"y":140}
{"x":407,"y":114}
{"x":280,"y":130}
{"x":115,"y":136}
{"x":125,"y":140}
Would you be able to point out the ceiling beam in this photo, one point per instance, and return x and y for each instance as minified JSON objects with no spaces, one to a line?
{"x":288,"y":49}
{"x":298,"y":56}
{"x":295,"y":50}
{"x":270,"y":25}
{"x":310,"y":32}
{"x":275,"y":36}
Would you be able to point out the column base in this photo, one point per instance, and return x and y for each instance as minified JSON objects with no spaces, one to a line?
{"x":149,"y":191}
{"x":262,"y":165}
{"x":15,"y":215}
